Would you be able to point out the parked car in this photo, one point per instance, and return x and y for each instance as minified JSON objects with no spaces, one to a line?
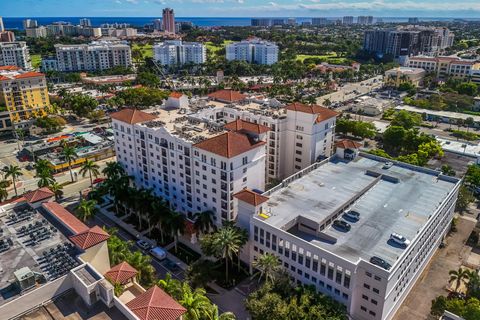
{"x":342,"y":225}
{"x":399,"y":239}
{"x":352,"y":214}
{"x":388,"y":165}
{"x":172,"y":266}
{"x":158,"y":253}
{"x":380,"y":262}
{"x":98,"y":180}
{"x":144,"y":244}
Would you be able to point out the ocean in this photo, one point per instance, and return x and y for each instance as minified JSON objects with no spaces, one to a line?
{"x":16,"y":23}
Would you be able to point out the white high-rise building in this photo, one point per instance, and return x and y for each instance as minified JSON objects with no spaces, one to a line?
{"x":99,"y":55}
{"x":30,"y":23}
{"x":85,"y":22}
{"x":253,"y":51}
{"x":176,"y":52}
{"x":361,"y":265}
{"x":2,"y":28}
{"x":15,"y":54}
{"x":197,"y":157}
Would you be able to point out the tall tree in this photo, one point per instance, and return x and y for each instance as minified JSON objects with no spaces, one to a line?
{"x":213,"y":314}
{"x":56,"y":188}
{"x":458,"y":277}
{"x":268,"y":266}
{"x":69,"y":154}
{"x":86,"y":209}
{"x":45,"y":179}
{"x":171,"y":286}
{"x":196,"y":303}
{"x":91,"y":168}
{"x":176,"y":223}
{"x":204,"y":221}
{"x":14,"y":172}
{"x":4,"y":184}
{"x":113,"y":170}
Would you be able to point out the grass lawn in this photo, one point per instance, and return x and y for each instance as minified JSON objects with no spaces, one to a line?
{"x":147,"y":49}
{"x":213,"y":48}
{"x":36,"y":60}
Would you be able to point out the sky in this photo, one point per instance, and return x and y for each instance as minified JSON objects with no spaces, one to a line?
{"x":241,"y":8}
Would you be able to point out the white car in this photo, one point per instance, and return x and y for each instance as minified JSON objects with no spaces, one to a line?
{"x":388,"y":165}
{"x":144,"y":244}
{"x":399,"y":239}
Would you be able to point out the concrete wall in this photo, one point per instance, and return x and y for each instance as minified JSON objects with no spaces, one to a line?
{"x":98,"y":257}
{"x":36,"y":297}
{"x":123,"y":309}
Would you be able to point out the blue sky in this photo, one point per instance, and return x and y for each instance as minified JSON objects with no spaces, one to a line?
{"x":241,"y":8}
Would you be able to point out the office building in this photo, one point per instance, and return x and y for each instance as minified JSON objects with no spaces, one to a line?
{"x":261,"y":22}
{"x":15,"y":54}
{"x":365,"y":20}
{"x":168,"y":20}
{"x":413,"y":20}
{"x":157,"y":24}
{"x":7,"y":36}
{"x":30,"y":23}
{"x":253,"y":51}
{"x":302,"y":222}
{"x":24,"y":95}
{"x":177,"y":53}
{"x":347,"y":20}
{"x":196,"y":158}
{"x":53,"y":262}
{"x":98,"y":55}
{"x":85,"y":22}
{"x":319,"y":21}
{"x":444,"y":67}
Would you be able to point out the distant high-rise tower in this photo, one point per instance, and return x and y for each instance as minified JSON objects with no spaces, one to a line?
{"x":168,"y":20}
{"x":1,"y":25}
{"x":85,"y":22}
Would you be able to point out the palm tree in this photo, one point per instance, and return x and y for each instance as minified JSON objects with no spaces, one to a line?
{"x":90,"y":167}
{"x":204,"y":221}
{"x":141,"y":262}
{"x":3,"y":189}
{"x":176,"y":223}
{"x":42,"y":165}
{"x":86,"y":209}
{"x":69,"y":154}
{"x":213,"y":314}
{"x":56,"y":188}
{"x":159,"y":211}
{"x":227,"y":242}
{"x":45,"y":179}
{"x":113,"y":169}
{"x":14,"y":172}
{"x":473,"y":286}
{"x":459,"y":276}
{"x":118,"y":250}
{"x":171,"y":286}
{"x":268,"y":266}
{"x":195,"y":301}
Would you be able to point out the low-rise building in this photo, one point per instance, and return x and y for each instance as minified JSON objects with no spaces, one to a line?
{"x":397,"y":76}
{"x":253,"y":51}
{"x":444,"y":66}
{"x":331,"y":226}
{"x":370,"y":106}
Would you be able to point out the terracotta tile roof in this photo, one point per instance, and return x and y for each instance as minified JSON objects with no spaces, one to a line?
{"x":121,"y":273}
{"x":323,"y":113}
{"x":250,"y":197}
{"x":132,"y":116}
{"x":227,"y":95}
{"x":4,"y":78}
{"x":10,"y":68}
{"x":89,"y":238}
{"x":242,"y":125}
{"x":68,"y":219}
{"x":38,"y":195}
{"x":348,"y":144}
{"x":229,"y":144}
{"x":155,"y":304}
{"x":176,"y":95}
{"x":29,"y":75}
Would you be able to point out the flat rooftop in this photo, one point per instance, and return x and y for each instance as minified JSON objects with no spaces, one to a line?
{"x":398,"y":199}
{"x":19,"y":250}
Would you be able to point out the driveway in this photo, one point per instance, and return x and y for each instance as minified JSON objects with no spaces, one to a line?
{"x":434,"y":278}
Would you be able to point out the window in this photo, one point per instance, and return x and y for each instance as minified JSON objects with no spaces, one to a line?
{"x":364,"y":297}
{"x":373,"y":313}
{"x":330,"y":273}
{"x":244,"y":160}
{"x":366,"y":286}
{"x":363,"y":308}
{"x":375,"y":290}
{"x":374,"y":301}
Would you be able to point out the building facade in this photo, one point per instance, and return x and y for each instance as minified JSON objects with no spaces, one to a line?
{"x":24,"y":96}
{"x":15,"y":54}
{"x":444,"y":67}
{"x":99,"y":55}
{"x":294,"y":222}
{"x":253,"y":51}
{"x":176,"y":52}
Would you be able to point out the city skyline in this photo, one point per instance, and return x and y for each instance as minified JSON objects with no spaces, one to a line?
{"x":239,"y":8}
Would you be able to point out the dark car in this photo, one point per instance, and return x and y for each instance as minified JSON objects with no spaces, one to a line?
{"x":352,"y":214}
{"x":380,"y":262}
{"x":342,"y":225}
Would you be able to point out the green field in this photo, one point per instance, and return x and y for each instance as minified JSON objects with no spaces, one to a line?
{"x":36,"y":60}
{"x":331,"y":57}
{"x":213,"y":48}
{"x":147,"y":49}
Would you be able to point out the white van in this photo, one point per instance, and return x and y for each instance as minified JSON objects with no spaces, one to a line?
{"x":158,"y":253}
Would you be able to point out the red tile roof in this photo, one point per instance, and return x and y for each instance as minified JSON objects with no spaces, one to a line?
{"x":176,"y":95}
{"x":121,"y":273}
{"x":242,"y":125}
{"x":38,"y":195}
{"x":250,"y":197}
{"x":227,"y":95}
{"x":229,"y":144}
{"x":89,"y":238}
{"x":323,"y":113}
{"x":30,"y":74}
{"x":132,"y":116}
{"x":348,"y":144}
{"x":68,"y":219}
{"x":10,"y":68}
{"x":155,"y":304}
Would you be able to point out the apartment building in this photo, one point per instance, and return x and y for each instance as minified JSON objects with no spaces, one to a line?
{"x":347,"y":20}
{"x":15,"y":54}
{"x":253,"y":51}
{"x":23,"y":95}
{"x":445,"y":66}
{"x":365,"y":20}
{"x":168,"y":20}
{"x":320,"y":22}
{"x":198,"y":157}
{"x":360,"y":266}
{"x":176,"y":53}
{"x":98,"y":55}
